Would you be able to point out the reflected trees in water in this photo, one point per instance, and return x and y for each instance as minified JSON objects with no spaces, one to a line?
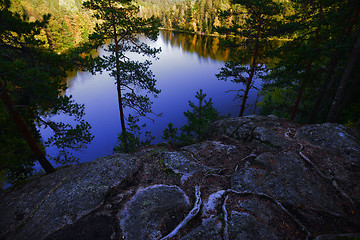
{"x":204,"y":46}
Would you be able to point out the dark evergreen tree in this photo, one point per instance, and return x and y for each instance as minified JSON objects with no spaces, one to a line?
{"x":170,"y":134}
{"x":132,"y":137}
{"x":317,"y":66}
{"x":240,"y":73}
{"x":119,"y":24}
{"x":199,"y":118}
{"x":339,"y":98}
{"x":262,"y":21}
{"x":31,"y":82}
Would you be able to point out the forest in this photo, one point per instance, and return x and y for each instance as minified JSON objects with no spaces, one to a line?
{"x":69,"y":25}
{"x":314,"y":79}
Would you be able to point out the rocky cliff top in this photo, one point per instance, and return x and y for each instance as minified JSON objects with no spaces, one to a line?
{"x":253,"y":178}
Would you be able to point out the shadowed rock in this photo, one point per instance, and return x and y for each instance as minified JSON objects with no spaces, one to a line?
{"x":150,"y":209}
{"x":260,"y":177}
{"x":64,"y":197}
{"x":332,"y":136}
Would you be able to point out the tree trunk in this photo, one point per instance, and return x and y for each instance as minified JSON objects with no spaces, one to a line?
{"x":350,"y":93}
{"x":306,"y":80}
{"x":329,"y":75}
{"x":200,"y":115}
{"x":251,"y":76}
{"x":121,"y":109}
{"x":335,"y":109}
{"x":296,"y":105}
{"x":118,"y":87}
{"x":45,"y":164}
{"x":301,"y":90}
{"x":246,"y":93}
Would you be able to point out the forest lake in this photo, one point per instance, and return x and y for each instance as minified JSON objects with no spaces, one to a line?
{"x":186,"y":64}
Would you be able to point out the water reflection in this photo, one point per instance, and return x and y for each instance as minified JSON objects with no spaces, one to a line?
{"x":204,"y":46}
{"x":217,"y":48}
{"x":186,"y":64}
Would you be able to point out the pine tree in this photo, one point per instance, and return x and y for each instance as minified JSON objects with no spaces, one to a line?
{"x":118,"y":22}
{"x":336,"y":106}
{"x":132,"y":137}
{"x":30,"y":85}
{"x":260,"y":25}
{"x":170,"y":134}
{"x":199,"y":118}
{"x":317,"y":66}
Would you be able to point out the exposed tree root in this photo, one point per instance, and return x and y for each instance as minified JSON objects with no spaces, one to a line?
{"x":194,"y":211}
{"x":288,"y":133}
{"x":248,"y":156}
{"x":318,"y":171}
{"x":331,"y":179}
{"x":334,"y":214}
{"x":195,"y":160}
{"x":263,"y":195}
{"x":226,"y":221}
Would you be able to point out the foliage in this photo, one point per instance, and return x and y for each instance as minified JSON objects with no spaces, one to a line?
{"x":199,"y":118}
{"x":32,"y":76}
{"x":170,"y":133}
{"x":237,"y":73}
{"x":277,"y":101}
{"x":200,"y":16}
{"x":260,"y":24}
{"x":133,"y":137}
{"x":317,"y":68}
{"x":67,"y":28}
{"x":119,"y":23}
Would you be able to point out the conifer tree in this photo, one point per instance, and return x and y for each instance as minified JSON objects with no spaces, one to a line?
{"x":118,"y":23}
{"x":170,"y":133}
{"x":30,"y":85}
{"x":260,"y":25}
{"x":336,"y":106}
{"x":316,"y":68}
{"x":199,"y":118}
{"x":132,"y":136}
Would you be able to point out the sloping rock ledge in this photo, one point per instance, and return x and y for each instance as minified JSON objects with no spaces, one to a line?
{"x":253,"y":177}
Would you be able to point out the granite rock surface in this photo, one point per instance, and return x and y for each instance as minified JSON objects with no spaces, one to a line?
{"x":253,"y":177}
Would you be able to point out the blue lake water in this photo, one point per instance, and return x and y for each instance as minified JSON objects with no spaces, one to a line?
{"x":186,"y":64}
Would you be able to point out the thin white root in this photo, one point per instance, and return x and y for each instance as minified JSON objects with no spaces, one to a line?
{"x":331,"y":179}
{"x":248,"y":156}
{"x":226,"y":221}
{"x":287,"y":134}
{"x":334,"y":214}
{"x":334,"y":183}
{"x":194,"y":211}
{"x":318,"y":171}
{"x":263,"y":195}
